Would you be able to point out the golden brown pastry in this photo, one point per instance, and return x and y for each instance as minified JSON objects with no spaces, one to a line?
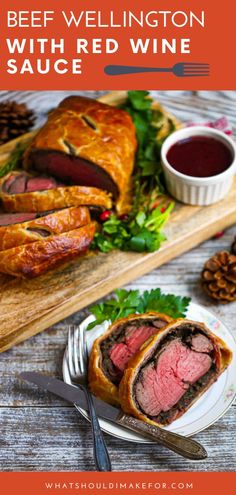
{"x":17,"y":229}
{"x":172,"y":371}
{"x":112,"y":351}
{"x":21,"y":192}
{"x":89,"y":143}
{"x":31,"y":260}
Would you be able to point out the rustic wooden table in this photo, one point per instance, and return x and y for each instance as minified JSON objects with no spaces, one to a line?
{"x":42,"y":433}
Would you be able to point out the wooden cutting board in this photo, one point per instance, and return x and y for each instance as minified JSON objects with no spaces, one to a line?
{"x":30,"y":306}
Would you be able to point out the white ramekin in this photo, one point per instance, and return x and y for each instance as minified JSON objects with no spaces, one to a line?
{"x":197,"y":190}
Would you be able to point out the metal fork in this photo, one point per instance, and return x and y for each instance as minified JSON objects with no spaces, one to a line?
{"x":182,"y":69}
{"x":77,"y":364}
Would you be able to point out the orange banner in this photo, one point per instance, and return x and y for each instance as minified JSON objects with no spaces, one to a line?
{"x":117,"y":483}
{"x":69,"y":44}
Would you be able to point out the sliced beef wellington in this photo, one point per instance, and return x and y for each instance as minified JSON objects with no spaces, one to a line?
{"x":87,"y":143}
{"x":20,"y":182}
{"x":17,"y":229}
{"x":21,"y":192}
{"x":31,"y":260}
{"x":172,"y":371}
{"x":112,"y":351}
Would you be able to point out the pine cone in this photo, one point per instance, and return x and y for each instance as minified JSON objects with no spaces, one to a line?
{"x":219,"y":277}
{"x":15,"y":119}
{"x":233,"y":247}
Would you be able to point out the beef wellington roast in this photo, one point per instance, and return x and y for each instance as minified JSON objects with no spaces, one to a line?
{"x":33,"y":259}
{"x":172,"y":371}
{"x":22,"y":192}
{"x":87,"y":143}
{"x":112,"y":351}
{"x":17,"y":229}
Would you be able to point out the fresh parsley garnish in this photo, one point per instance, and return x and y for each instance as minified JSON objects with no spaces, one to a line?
{"x":141,"y":231}
{"x":129,"y":302}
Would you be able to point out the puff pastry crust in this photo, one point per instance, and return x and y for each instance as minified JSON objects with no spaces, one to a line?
{"x":43,"y":227}
{"x":99,"y":133}
{"x":99,"y":382}
{"x":31,"y":260}
{"x":222,"y":356}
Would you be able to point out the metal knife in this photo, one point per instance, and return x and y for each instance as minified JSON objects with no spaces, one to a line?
{"x":181,"y":445}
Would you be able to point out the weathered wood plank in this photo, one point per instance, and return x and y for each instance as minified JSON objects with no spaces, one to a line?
{"x":46,"y":439}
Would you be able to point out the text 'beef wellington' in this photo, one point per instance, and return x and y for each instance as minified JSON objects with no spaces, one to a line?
{"x":31,"y":260}
{"x":172,"y":371}
{"x":21,"y":192}
{"x":87,"y":143}
{"x":112,"y":351}
{"x":17,"y":229}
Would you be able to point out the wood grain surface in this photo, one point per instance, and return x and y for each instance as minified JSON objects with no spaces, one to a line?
{"x":30,"y":306}
{"x":42,"y":433}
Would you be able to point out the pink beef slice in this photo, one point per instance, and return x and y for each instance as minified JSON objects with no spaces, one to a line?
{"x":146,"y":394}
{"x":7,"y":184}
{"x":135,"y":337}
{"x":121,"y":353}
{"x":13,"y":218}
{"x":18,"y":185}
{"x":41,"y":184}
{"x":161,"y":386}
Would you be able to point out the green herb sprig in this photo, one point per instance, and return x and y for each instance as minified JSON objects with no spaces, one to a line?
{"x":129,"y":302}
{"x":15,"y":158}
{"x":147,"y":122}
{"x":143,"y":232}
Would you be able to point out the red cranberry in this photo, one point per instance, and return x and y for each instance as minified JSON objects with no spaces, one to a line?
{"x":105,"y":215}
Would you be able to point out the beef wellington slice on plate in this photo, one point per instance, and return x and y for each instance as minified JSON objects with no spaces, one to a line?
{"x":112,"y":351}
{"x":172,"y":371}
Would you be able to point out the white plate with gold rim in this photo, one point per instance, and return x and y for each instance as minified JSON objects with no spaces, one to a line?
{"x":213,"y":404}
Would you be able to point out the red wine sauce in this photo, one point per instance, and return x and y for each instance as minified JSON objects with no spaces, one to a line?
{"x":200,"y":156}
